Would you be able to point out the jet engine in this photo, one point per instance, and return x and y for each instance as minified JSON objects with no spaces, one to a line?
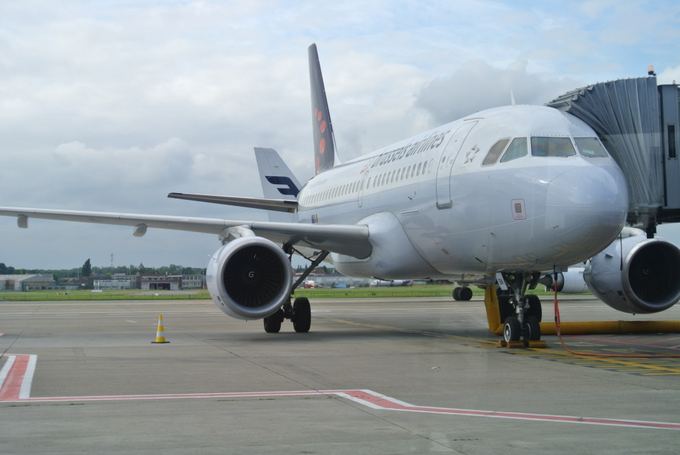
{"x":569,"y":282}
{"x":249,"y":278}
{"x":635,"y":274}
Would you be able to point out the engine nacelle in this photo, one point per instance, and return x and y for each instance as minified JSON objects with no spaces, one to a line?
{"x":569,"y":282}
{"x":249,"y":278}
{"x":635,"y":274}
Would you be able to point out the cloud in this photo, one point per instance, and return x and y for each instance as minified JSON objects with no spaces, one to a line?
{"x":477,"y":85}
{"x":669,"y":75}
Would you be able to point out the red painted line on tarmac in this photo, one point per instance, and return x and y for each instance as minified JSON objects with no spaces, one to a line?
{"x":19,"y":374}
{"x":11,"y":387}
{"x":179,"y":396}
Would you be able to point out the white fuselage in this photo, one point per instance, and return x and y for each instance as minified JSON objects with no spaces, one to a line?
{"x":435,"y":210}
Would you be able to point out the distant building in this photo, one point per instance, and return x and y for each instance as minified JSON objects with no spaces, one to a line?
{"x":26,"y":282}
{"x":162,"y":282}
{"x":172,"y":282}
{"x":119,"y":281}
{"x":193,"y":281}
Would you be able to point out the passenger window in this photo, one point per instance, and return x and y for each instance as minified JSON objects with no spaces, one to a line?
{"x":590,"y":147}
{"x":516,"y":149}
{"x":552,"y":146}
{"x":494,"y":152}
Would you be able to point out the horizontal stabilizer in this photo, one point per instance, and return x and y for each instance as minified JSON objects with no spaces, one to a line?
{"x":279,"y":205}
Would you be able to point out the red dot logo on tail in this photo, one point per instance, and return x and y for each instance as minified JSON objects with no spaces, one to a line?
{"x":322,"y":146}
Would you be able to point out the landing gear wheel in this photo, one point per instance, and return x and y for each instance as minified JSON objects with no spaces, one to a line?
{"x":532,"y":329}
{"x":505,"y":308}
{"x":272,"y":324}
{"x":302,"y":315}
{"x":462,"y":293}
{"x":512,"y":330}
{"x":534,"y":307}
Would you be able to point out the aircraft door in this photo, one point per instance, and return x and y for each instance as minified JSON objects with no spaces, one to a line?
{"x":446,"y":161}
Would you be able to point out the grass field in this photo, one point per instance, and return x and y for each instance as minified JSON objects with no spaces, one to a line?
{"x":430,"y":290}
{"x":132,"y":294}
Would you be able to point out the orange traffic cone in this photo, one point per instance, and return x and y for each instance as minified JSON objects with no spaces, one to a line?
{"x":160,"y":338}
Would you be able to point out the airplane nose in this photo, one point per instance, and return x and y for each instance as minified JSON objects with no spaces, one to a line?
{"x":587,"y":207}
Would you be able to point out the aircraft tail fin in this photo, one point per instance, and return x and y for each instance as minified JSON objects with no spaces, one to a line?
{"x":324,"y":139}
{"x":277,"y":180}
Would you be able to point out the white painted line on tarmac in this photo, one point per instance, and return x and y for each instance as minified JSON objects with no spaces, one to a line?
{"x":5,"y":369}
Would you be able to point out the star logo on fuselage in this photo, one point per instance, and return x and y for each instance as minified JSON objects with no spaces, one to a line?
{"x":471,"y":154}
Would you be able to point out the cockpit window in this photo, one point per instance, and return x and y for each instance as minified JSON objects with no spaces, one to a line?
{"x":590,"y":147}
{"x":552,"y":146}
{"x":494,"y":152}
{"x":516,"y":149}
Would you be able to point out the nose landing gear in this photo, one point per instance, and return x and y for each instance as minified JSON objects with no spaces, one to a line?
{"x":521,"y":313}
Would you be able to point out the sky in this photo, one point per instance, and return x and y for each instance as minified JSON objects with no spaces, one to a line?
{"x":110,"y":105}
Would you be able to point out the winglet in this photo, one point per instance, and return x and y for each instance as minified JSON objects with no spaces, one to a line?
{"x":324,"y":140}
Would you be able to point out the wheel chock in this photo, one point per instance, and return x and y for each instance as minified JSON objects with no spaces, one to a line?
{"x":537,"y":344}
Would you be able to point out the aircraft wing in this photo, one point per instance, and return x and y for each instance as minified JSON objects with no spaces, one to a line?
{"x":350,"y":240}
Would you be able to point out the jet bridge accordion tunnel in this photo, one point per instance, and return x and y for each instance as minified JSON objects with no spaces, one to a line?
{"x":638,"y":121}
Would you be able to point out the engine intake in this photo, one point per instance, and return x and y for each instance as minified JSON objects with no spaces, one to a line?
{"x":249,"y":278}
{"x":636,"y":274}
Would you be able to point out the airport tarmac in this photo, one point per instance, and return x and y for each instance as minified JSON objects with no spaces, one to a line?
{"x":382,"y":376}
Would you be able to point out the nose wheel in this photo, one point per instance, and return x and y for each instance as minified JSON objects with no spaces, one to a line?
{"x":521,"y":313}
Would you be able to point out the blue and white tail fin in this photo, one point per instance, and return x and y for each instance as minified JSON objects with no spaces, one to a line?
{"x":277,"y":180}
{"x":324,"y":139}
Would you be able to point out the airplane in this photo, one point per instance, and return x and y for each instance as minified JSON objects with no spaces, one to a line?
{"x":499,"y":198}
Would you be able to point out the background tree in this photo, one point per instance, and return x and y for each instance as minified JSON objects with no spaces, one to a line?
{"x":86,"y":269}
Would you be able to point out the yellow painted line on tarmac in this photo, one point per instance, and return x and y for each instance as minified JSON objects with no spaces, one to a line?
{"x":610,"y":327}
{"x":627,"y":366}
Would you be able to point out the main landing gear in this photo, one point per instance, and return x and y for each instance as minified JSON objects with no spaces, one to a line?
{"x":521,"y":313}
{"x":299,"y":311}
{"x":462,"y":293}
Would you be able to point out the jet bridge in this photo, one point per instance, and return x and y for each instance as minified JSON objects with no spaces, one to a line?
{"x":639,"y":123}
